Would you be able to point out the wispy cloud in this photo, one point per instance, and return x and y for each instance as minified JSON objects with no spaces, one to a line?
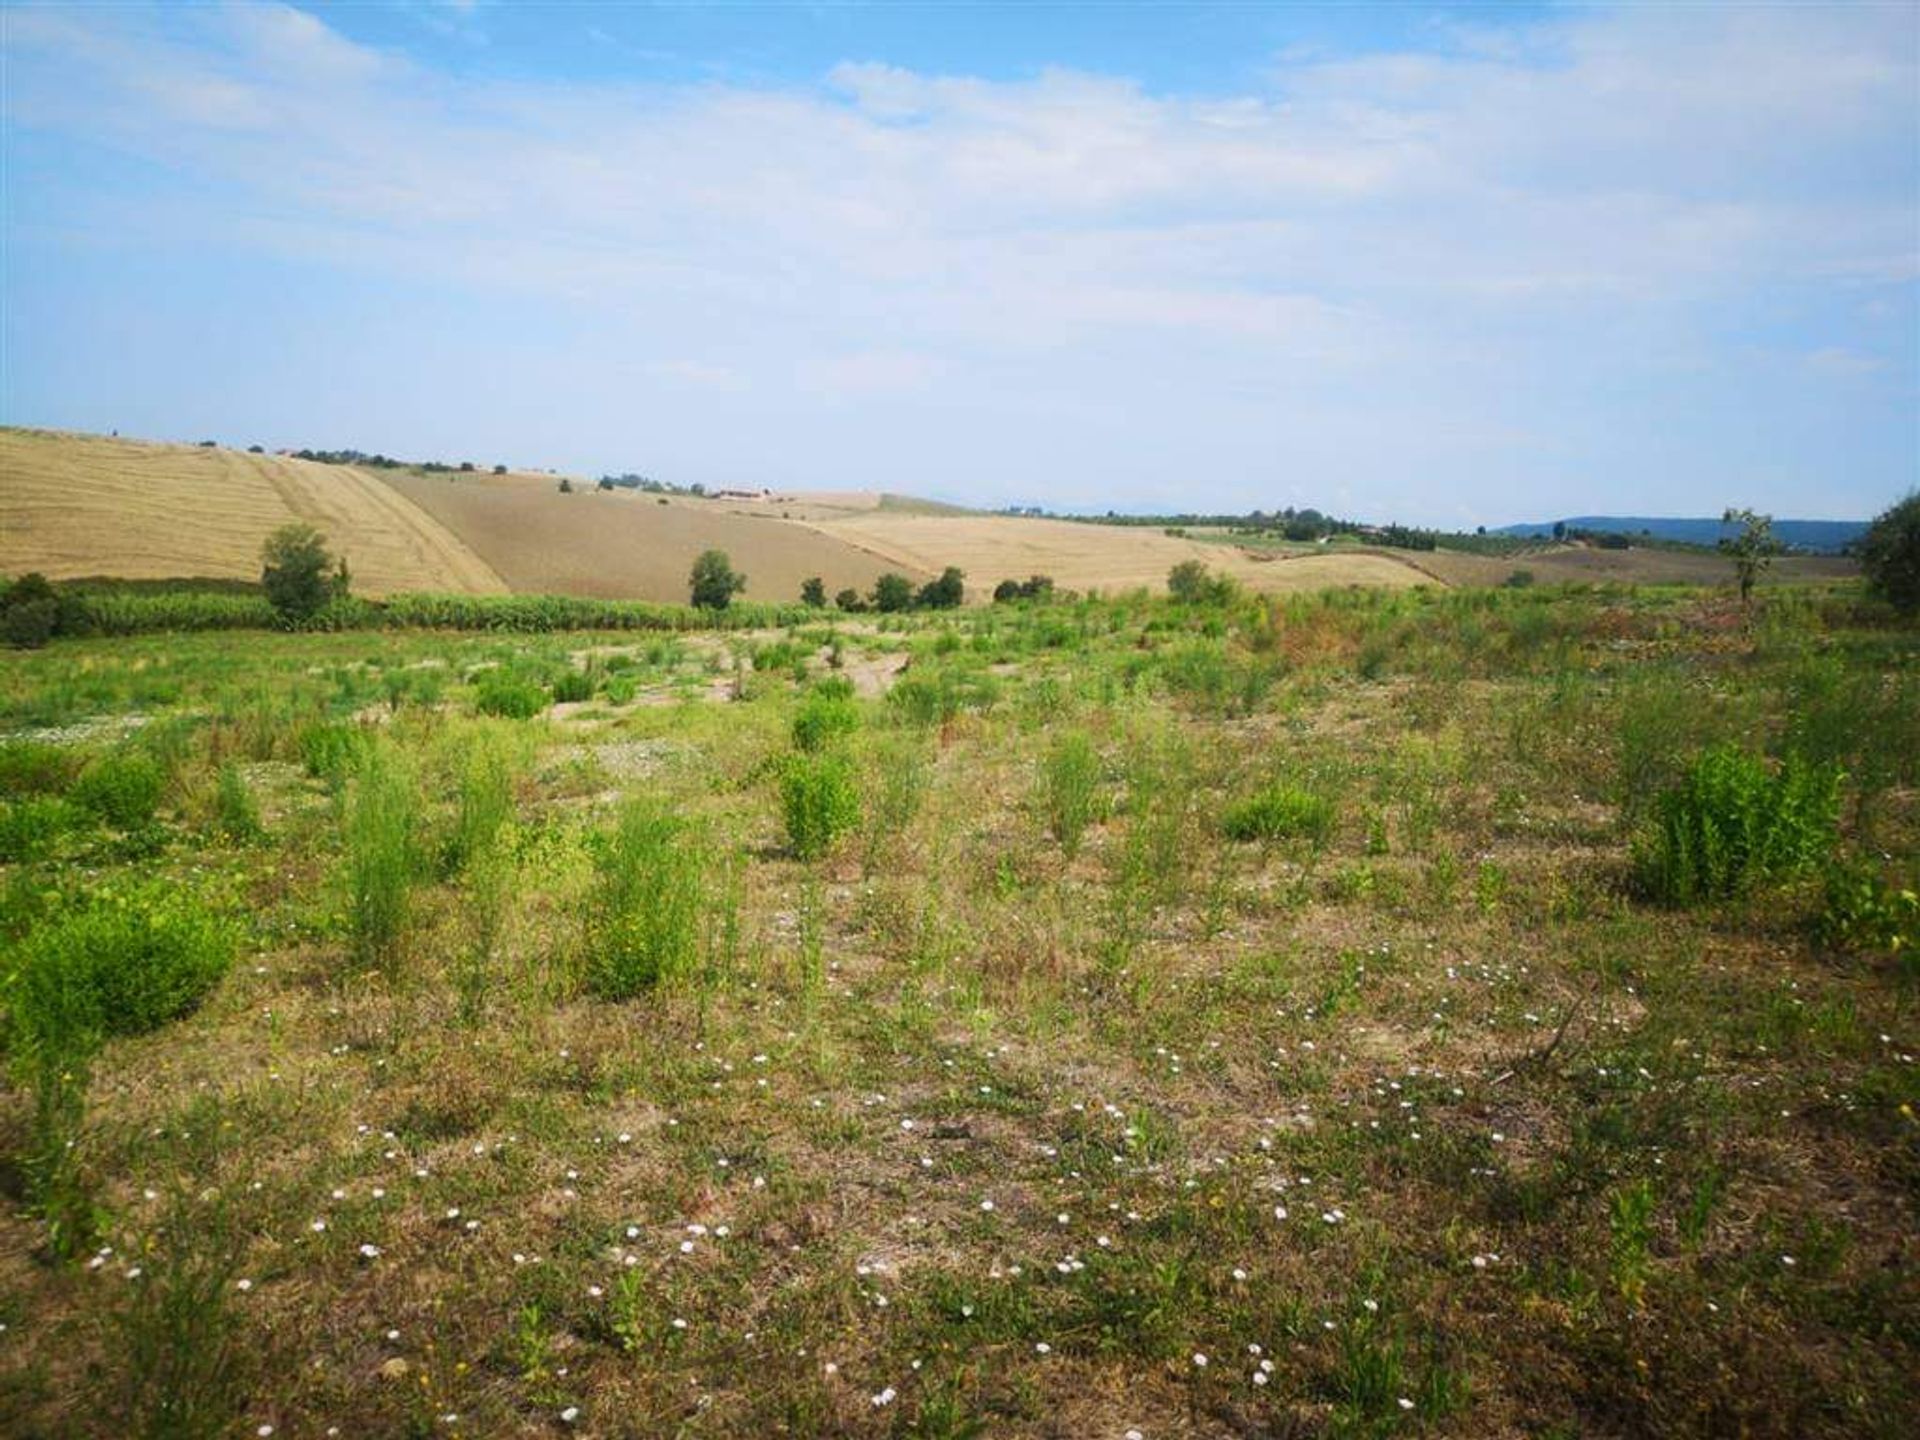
{"x":1372,"y":264}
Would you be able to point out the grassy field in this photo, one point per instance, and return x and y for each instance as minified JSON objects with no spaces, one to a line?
{"x":87,"y":505}
{"x":1287,"y":1017}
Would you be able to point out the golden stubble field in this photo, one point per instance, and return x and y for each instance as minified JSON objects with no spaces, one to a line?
{"x":85,"y":505}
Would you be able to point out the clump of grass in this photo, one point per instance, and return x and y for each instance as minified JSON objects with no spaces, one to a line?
{"x":1732,"y":823}
{"x":30,"y":768}
{"x":122,"y":788}
{"x":513,"y":697}
{"x":1070,"y":796}
{"x":825,"y":716}
{"x":1281,"y":812}
{"x":489,"y":875}
{"x":898,"y":783}
{"x":571,"y":686}
{"x":332,"y":751}
{"x":235,"y":814}
{"x":180,"y":1339}
{"x":820,"y":802}
{"x":648,"y":904}
{"x":382,"y":805}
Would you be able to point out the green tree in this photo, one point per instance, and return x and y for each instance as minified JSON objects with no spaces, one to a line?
{"x":1751,"y":550}
{"x":892,"y":592}
{"x":1890,"y":554}
{"x":714,"y":581}
{"x":850,"y":601}
{"x":294,"y":572}
{"x":946,"y":592}
{"x":1187,"y":582}
{"x":813,"y":591}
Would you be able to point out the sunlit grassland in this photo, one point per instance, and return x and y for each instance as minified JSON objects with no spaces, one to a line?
{"x":1227,"y":1020}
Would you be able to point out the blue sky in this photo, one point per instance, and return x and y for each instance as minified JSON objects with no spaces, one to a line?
{"x":1449,"y":265}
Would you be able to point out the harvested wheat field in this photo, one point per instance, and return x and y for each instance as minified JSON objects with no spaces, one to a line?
{"x":1086,"y":557}
{"x":84,"y":505}
{"x":618,"y":544}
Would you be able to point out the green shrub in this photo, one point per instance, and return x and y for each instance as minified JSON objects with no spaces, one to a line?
{"x":29,"y":625}
{"x":31,"y":826}
{"x":649,"y":904}
{"x":382,"y":804}
{"x":571,"y":686}
{"x":28,"y":768}
{"x":823,"y":718}
{"x":332,"y":751}
{"x":501,"y":692}
{"x":820,"y":802}
{"x":1864,"y":912}
{"x":122,"y":788}
{"x":1070,"y":790}
{"x":1280,"y":812}
{"x":485,"y":801}
{"x":123,"y":964}
{"x":1732,"y":823}
{"x":234,"y":812}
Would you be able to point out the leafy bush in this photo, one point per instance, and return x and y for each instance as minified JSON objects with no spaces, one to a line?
{"x":382,"y":805}
{"x":892,"y":592}
{"x":27,"y":768}
{"x":123,"y":788}
{"x":124,"y":964}
{"x":822,"y":718}
{"x":819,"y":800}
{"x":1070,"y":790}
{"x":1864,"y":912}
{"x":944,"y":593}
{"x":1280,"y":812}
{"x":1191,"y":583}
{"x":30,"y":624}
{"x":649,"y":904}
{"x":1890,"y":555}
{"x":1731,"y":823}
{"x":332,"y":751}
{"x":501,"y":692}
{"x":31,"y":826}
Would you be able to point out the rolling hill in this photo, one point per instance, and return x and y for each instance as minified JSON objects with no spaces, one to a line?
{"x":85,"y":505}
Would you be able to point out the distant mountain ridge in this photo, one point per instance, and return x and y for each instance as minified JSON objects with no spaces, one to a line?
{"x":1820,"y":536}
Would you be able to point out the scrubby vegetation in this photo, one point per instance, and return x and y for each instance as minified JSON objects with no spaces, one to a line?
{"x":1351,"y":1014}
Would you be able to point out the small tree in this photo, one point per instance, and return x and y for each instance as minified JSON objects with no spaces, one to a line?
{"x":892,"y":592}
{"x":1890,"y":554}
{"x":1006,"y":590}
{"x":1751,"y":550}
{"x":566,"y":486}
{"x":946,"y":592}
{"x":1187,"y":582}
{"x":499,"y":469}
{"x":850,"y":601}
{"x":295,"y":572}
{"x":813,"y":591}
{"x":714,"y":582}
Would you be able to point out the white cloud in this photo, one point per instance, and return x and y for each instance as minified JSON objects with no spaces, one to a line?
{"x":1437,"y":221}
